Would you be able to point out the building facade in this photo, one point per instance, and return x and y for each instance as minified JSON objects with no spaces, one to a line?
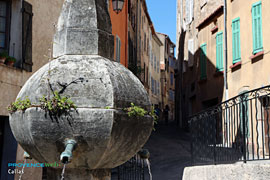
{"x":120,"y":22}
{"x":154,"y":68}
{"x":221,"y":60}
{"x":167,"y":74}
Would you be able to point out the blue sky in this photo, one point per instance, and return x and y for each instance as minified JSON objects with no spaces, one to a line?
{"x":163,"y":15}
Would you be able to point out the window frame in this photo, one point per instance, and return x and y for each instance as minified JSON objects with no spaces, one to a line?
{"x":236,"y":32}
{"x":7,"y":26}
{"x":219,"y":62}
{"x":203,"y":62}
{"x":254,"y":30}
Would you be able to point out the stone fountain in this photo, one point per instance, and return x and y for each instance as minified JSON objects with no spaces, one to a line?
{"x":100,"y":133}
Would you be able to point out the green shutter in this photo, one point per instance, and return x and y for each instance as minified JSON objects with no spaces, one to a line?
{"x":219,"y":51}
{"x":236,"y":43}
{"x":203,"y":61}
{"x":244,"y":103}
{"x":257,"y":27}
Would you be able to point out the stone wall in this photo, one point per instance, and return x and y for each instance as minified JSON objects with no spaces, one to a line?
{"x":228,"y":172}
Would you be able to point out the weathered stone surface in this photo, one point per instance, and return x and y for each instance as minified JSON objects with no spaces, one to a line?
{"x":228,"y":172}
{"x":80,"y":174}
{"x":106,"y":138}
{"x":84,"y":28}
{"x":105,"y":83}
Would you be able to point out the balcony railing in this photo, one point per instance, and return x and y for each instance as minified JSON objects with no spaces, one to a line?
{"x":235,"y":130}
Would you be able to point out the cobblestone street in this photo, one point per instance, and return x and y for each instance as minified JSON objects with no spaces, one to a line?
{"x":170,"y":152}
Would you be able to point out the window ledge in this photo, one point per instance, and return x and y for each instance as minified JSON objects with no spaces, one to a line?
{"x":236,"y":65}
{"x":214,"y":29}
{"x":10,"y":67}
{"x":218,"y":73}
{"x":258,"y":54}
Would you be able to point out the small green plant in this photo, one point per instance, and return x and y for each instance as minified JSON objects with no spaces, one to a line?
{"x":153,"y":114}
{"x":136,"y":111}
{"x":19,"y":105}
{"x":11,"y":59}
{"x":57,"y":105}
{"x":3,"y":54}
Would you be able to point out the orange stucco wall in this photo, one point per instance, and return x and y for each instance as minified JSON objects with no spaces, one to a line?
{"x":119,"y":27}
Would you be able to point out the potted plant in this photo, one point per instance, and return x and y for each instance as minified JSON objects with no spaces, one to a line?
{"x":10,"y":61}
{"x":3,"y":57}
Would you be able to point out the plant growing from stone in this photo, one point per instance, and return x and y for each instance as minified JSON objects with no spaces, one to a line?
{"x":135,"y":111}
{"x":57,"y":105}
{"x":19,"y":105}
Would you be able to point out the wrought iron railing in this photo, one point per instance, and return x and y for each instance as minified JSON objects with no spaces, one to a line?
{"x":133,"y":169}
{"x":235,"y":130}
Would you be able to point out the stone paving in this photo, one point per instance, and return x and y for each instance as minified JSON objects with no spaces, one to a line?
{"x":170,"y":152}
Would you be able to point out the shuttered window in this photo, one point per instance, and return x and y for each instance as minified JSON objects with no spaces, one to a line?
{"x":4,"y":23}
{"x":219,"y":51}
{"x":27,"y":36}
{"x":203,"y":61}
{"x":236,"y":44}
{"x":118,"y":49}
{"x":257,"y":27}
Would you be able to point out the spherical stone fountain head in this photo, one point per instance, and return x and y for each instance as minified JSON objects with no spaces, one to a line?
{"x":106,"y":137}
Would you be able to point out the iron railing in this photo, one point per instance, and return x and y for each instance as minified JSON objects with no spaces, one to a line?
{"x":133,"y":169}
{"x":235,"y":130}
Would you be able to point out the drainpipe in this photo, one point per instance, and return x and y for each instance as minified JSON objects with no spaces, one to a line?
{"x":225,"y":52}
{"x":225,"y":67}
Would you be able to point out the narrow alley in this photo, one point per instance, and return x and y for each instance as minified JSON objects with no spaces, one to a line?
{"x":169,"y":152}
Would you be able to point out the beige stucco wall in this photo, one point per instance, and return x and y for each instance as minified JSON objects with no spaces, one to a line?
{"x":12,"y":79}
{"x":155,"y":73}
{"x":251,"y":74}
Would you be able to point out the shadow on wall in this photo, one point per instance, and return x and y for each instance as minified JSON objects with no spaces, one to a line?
{"x":202,"y":81}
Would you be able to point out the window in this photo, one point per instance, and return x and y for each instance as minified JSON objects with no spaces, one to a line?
{"x":155,"y":63}
{"x":171,"y":95}
{"x":171,"y":78}
{"x":117,"y":49}
{"x":203,"y":61}
{"x":158,"y":68}
{"x":244,"y":113}
{"x":155,"y":87}
{"x":219,"y":51}
{"x":189,"y":11}
{"x":27,"y":36}
{"x":191,"y":52}
{"x":257,"y":27}
{"x":151,"y":58}
{"x":158,"y":88}
{"x":4,"y":25}
{"x":144,"y":42}
{"x":152,"y":84}
{"x":236,"y":46}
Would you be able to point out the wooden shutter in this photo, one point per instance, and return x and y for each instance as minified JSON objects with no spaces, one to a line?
{"x":219,"y":51}
{"x":203,"y":61}
{"x":236,"y":44}
{"x":257,"y":27}
{"x":191,"y":52}
{"x":27,"y":16}
{"x":119,"y":49}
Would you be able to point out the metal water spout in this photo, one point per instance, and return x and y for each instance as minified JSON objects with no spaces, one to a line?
{"x":66,"y":156}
